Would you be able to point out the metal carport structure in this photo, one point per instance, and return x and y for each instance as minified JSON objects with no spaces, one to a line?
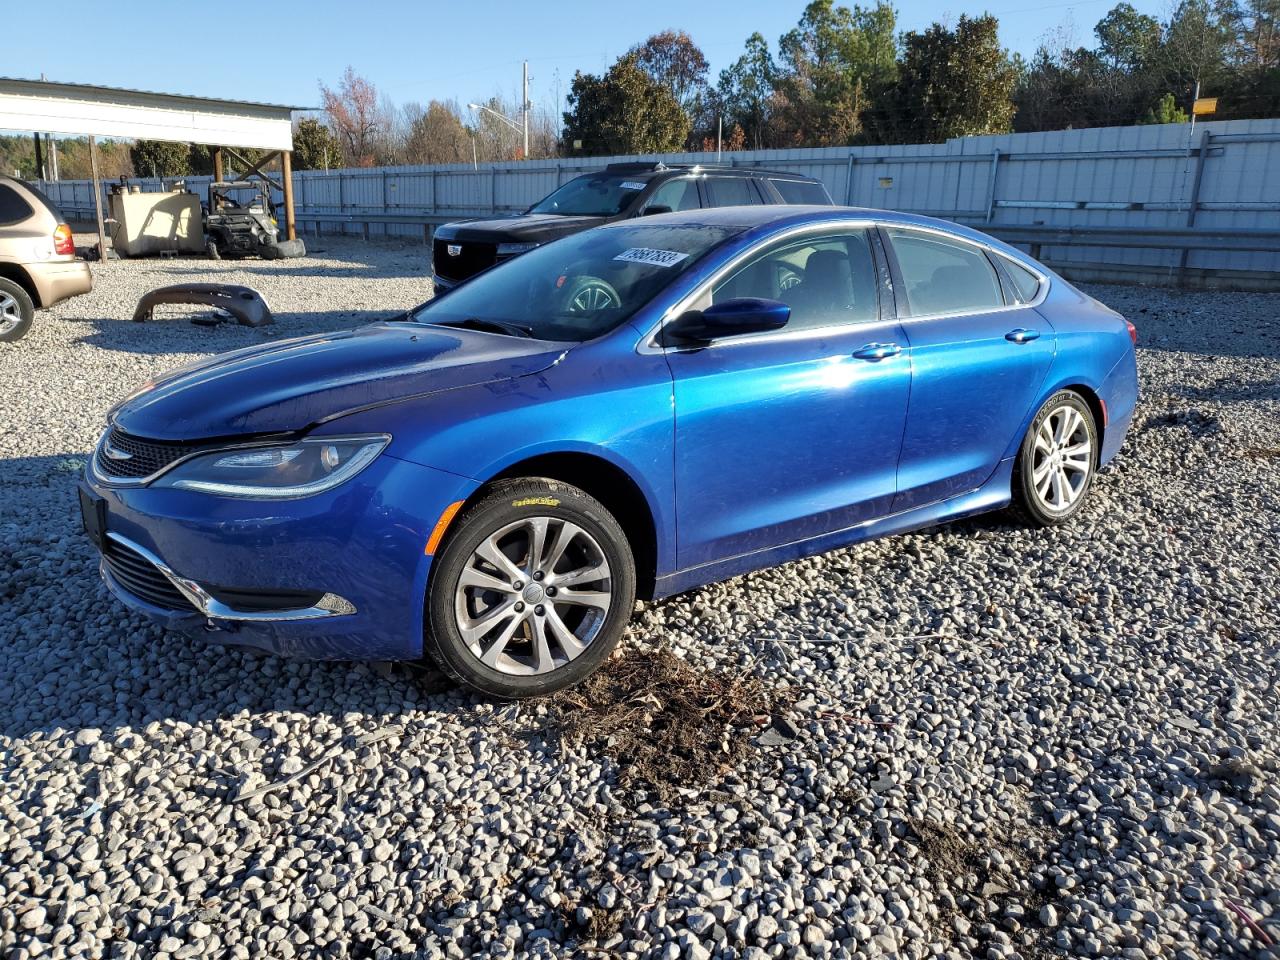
{"x":84,"y":110}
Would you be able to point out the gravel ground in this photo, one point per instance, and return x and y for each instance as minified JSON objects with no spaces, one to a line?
{"x":1002,"y":743}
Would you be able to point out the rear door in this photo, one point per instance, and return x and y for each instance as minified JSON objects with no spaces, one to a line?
{"x":788,"y":435}
{"x":978,"y":357}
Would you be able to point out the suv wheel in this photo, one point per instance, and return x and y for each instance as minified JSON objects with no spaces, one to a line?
{"x":16,"y":311}
{"x":532,"y":591}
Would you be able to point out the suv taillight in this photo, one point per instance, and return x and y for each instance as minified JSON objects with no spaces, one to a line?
{"x":1133,"y":332}
{"x":63,"y":241}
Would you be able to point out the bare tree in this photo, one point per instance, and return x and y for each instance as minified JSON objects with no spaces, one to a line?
{"x":356,"y":116}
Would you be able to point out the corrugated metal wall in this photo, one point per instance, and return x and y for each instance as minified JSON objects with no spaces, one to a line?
{"x":1113,"y":176}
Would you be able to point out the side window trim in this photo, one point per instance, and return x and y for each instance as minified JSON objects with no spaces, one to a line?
{"x":653,"y":342}
{"x":665,"y":183}
{"x":902,"y":300}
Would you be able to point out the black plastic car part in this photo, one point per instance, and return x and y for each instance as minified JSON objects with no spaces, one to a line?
{"x":243,"y":303}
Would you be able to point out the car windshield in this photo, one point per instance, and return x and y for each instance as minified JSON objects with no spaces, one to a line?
{"x":577,"y":288}
{"x":594,"y":195}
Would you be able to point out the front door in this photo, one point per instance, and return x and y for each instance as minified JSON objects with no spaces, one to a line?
{"x":783,"y":436}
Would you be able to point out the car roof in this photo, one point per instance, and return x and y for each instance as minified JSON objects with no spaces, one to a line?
{"x":772,"y":218}
{"x":644,"y":170}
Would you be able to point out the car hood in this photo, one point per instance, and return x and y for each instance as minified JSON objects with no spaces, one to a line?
{"x":288,"y":386}
{"x":525,"y":228}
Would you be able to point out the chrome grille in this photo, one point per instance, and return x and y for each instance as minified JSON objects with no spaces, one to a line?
{"x":144,"y":457}
{"x":138,"y":575}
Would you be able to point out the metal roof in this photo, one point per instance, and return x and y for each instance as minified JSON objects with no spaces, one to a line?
{"x":79,"y":109}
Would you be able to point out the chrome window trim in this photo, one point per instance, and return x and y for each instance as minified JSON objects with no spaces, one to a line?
{"x":987,"y":250}
{"x":330,"y":605}
{"x":650,"y":344}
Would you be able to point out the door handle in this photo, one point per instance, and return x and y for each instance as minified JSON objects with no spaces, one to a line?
{"x":877,"y":351}
{"x":1022,"y":335}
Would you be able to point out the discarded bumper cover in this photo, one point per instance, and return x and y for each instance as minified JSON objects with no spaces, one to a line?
{"x":243,"y":303}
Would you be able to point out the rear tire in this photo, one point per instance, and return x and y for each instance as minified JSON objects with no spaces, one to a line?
{"x":1056,"y":462}
{"x":532,"y":591}
{"x":17,"y":311}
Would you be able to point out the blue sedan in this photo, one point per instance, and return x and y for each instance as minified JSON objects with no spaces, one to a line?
{"x":493,"y":478}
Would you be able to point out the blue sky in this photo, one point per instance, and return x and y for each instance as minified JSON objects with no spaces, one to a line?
{"x":422,"y":51}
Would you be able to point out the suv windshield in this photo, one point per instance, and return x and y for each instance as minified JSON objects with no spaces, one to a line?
{"x":593,"y":195}
{"x":577,"y":288}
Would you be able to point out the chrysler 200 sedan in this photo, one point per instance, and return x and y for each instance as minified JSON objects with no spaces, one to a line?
{"x":491,"y":479}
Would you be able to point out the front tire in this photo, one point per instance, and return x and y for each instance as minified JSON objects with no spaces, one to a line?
{"x":1056,"y":462}
{"x":16,"y":311}
{"x":532,"y":592}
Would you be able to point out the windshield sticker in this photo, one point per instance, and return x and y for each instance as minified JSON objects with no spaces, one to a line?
{"x":633,"y":185}
{"x":654,"y":258}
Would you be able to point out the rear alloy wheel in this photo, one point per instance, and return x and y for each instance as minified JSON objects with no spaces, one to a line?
{"x":16,"y":311}
{"x":532,"y":592}
{"x":1057,"y":460}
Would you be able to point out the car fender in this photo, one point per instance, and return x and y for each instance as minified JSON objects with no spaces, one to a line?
{"x":621,"y":414}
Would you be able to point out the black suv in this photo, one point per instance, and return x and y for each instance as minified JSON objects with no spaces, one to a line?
{"x":620,"y":190}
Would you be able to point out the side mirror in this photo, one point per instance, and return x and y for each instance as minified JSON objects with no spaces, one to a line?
{"x":655,"y":208}
{"x":730,"y":318}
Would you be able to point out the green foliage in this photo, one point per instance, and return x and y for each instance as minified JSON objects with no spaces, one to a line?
{"x":953,"y":83}
{"x":1166,"y":110}
{"x":160,"y":158}
{"x":745,"y":95}
{"x":314,"y":146}
{"x":624,"y":111}
{"x":834,"y":63}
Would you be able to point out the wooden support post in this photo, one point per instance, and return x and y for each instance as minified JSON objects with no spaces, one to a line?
{"x":217,"y":164}
{"x":97,"y":199}
{"x":286,"y":166}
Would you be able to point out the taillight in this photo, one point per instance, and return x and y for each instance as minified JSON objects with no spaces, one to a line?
{"x":63,"y":241}
{"x":1133,"y":332}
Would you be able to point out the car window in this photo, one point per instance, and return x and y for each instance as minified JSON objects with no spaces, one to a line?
{"x":731,"y":192}
{"x":1025,"y":283}
{"x":802,"y":191}
{"x":13,"y":206}
{"x":943,"y":275}
{"x":583,"y":285}
{"x":680,"y":194}
{"x":825,"y":281}
{"x":592,"y":195}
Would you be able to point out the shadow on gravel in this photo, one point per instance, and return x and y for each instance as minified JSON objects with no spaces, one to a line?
{"x":174,"y":333}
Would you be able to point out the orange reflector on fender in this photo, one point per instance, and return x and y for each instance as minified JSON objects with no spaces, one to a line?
{"x":441,"y":526}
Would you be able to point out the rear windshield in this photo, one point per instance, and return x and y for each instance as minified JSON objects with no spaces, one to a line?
{"x":45,"y":202}
{"x":802,"y":191}
{"x":582,"y":286}
{"x":13,"y":208}
{"x":593,"y":195}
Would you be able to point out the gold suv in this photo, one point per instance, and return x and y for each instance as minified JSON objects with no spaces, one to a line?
{"x":38,"y":265}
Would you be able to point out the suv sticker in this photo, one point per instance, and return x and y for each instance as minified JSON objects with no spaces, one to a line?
{"x":654,"y":258}
{"x":633,"y":184}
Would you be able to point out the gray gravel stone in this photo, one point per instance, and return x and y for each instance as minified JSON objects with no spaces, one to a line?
{"x":992,"y":726}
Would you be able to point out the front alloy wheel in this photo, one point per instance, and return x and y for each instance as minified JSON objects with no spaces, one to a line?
{"x":1057,"y":460}
{"x":532,"y":591}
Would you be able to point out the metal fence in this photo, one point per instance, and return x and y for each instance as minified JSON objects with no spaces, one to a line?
{"x":1148,"y":203}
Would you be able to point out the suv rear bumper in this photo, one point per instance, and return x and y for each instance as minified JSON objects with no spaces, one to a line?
{"x":58,"y":280}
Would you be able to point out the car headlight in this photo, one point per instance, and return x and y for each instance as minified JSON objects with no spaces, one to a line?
{"x":511,"y":249}
{"x":281,"y":472}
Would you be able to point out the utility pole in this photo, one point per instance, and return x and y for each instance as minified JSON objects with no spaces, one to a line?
{"x":524,"y":108}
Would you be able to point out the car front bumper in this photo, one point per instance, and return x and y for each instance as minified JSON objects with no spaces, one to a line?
{"x":356,"y":553}
{"x":58,"y":280}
